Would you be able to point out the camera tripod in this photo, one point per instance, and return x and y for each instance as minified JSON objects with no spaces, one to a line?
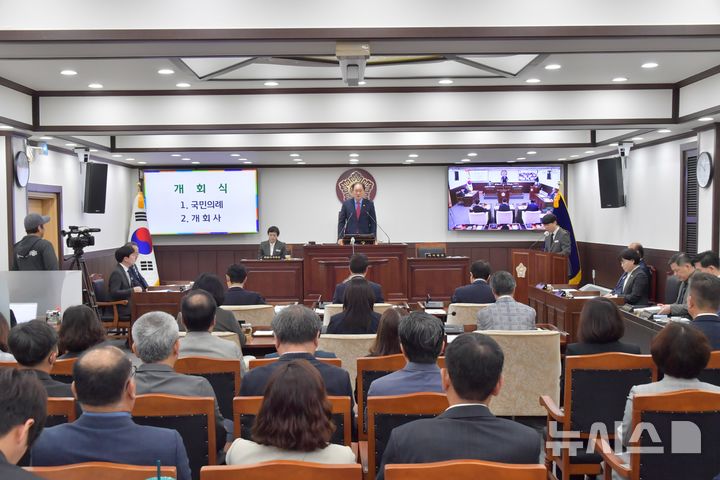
{"x":88,"y":292}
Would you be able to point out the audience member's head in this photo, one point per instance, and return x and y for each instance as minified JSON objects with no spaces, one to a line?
{"x":422,"y":337}
{"x":198,"y":311}
{"x":22,"y":416}
{"x":387,"y":341}
{"x":549,"y":221}
{"x":236,"y":273}
{"x":358,"y":305}
{"x":296,"y":328}
{"x":212,"y":284}
{"x":600,"y":322}
{"x":629,"y":259}
{"x":359,"y":264}
{"x":682,"y":266}
{"x":102,"y":380}
{"x":34,"y":345}
{"x":502,"y":283}
{"x":680,"y":350}
{"x":4,"y":333}
{"x":35,"y":224}
{"x":155,"y":338}
{"x":473,"y":369}
{"x":708,"y":262}
{"x":480,"y":270}
{"x":638,"y":248}
{"x":124,"y":254}
{"x":295,"y":413}
{"x":704,"y":294}
{"x":80,"y":329}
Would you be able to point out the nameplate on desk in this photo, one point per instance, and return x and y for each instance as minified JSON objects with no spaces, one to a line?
{"x":435,"y":255}
{"x":271,"y":257}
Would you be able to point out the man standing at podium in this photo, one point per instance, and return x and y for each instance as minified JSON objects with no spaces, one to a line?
{"x":557,"y":239}
{"x":357,"y":215}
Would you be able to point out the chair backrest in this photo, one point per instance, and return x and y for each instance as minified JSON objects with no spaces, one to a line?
{"x":387,"y":413}
{"x":711,"y":374}
{"x":478,"y":218}
{"x":101,"y":294}
{"x":101,"y":470}
{"x":8,"y":365}
{"x":330,"y":310}
{"x":381,"y":307}
{"x":62,"y":370}
{"x":597,"y":386}
{"x":531,"y":369}
{"x":284,"y":469}
{"x":347,"y":348}
{"x":247,"y":408}
{"x":653,"y":283}
{"x":531,"y":217}
{"x":256,"y":315}
{"x":223,"y":375}
{"x":192,"y":417}
{"x":504,"y":217}
{"x":260,"y":362}
{"x":368,"y":370}
{"x":688,"y":425}
{"x":465,"y":470}
{"x":464,"y":313}
{"x":60,"y":410}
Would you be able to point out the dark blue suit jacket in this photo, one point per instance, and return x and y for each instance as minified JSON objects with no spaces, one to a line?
{"x":339,"y":293}
{"x":366,"y":224}
{"x":337,"y":325}
{"x":709,"y":324}
{"x":240,"y":296}
{"x":477,"y":292}
{"x":110,"y":438}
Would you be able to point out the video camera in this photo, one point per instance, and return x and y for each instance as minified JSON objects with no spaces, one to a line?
{"x":79,"y":237}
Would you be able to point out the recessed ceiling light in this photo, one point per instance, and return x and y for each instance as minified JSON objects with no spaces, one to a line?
{"x":412,"y":155}
{"x":117,"y":155}
{"x":553,"y":66}
{"x":532,"y":80}
{"x":242,"y":159}
{"x":354,"y":155}
{"x":472,"y":154}
{"x":511,"y":161}
{"x":68,"y":73}
{"x":176,"y":155}
{"x":637,"y":139}
{"x":93,"y":150}
{"x":71,"y":144}
{"x":294,"y":154}
{"x":5,"y":127}
{"x":130,"y":159}
{"x":706,"y":119}
{"x":354,"y":160}
{"x":195,"y":163}
{"x":531,"y":152}
{"x":142,"y":163}
{"x":445,"y":81}
{"x":300,"y":163}
{"x":166,"y":71}
{"x":182,"y":85}
{"x":589,"y":151}
{"x":520,"y":158}
{"x":649,"y":65}
{"x":297,"y":159}
{"x":409,"y":160}
{"x":46,"y":138}
{"x":234,"y":154}
{"x":574,"y":156}
{"x":185,"y":159}
{"x":465,"y":160}
{"x":95,"y":85}
{"x":561,"y":159}
{"x":615,"y":144}
{"x":247,"y":162}
{"x":271,"y":83}
{"x":619,"y":79}
{"x":664,"y":130}
{"x":362,"y":82}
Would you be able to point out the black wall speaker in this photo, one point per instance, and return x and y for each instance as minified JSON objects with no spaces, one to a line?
{"x":611,"y":182}
{"x":95,"y":187}
{"x":457,"y":175}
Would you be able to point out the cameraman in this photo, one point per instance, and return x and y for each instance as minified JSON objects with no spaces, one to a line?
{"x":33,"y":252}
{"x":120,"y":285}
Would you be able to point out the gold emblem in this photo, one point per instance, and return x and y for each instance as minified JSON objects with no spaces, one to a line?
{"x":521,"y":270}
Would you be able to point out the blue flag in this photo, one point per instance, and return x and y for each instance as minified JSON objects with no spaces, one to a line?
{"x":563,"y":219}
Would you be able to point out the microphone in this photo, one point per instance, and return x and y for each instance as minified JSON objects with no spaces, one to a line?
{"x":378,"y":225}
{"x":342,"y":232}
{"x":352,"y":244}
{"x":538,"y":240}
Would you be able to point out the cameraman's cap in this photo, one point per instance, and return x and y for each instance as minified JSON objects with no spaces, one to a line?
{"x":548,"y":219}
{"x":34,"y":220}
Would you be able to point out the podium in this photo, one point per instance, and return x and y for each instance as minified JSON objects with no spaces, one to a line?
{"x":530,"y":267}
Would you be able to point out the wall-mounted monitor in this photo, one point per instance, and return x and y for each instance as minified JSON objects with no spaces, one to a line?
{"x":181,"y":202}
{"x":505,"y":197}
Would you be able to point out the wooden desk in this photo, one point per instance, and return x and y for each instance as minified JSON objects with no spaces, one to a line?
{"x":153,"y":301}
{"x":327,"y":265}
{"x":436,"y":276}
{"x":639,"y":331}
{"x":541,"y":267}
{"x":562,"y":312}
{"x":276,"y":280}
{"x":259,"y":346}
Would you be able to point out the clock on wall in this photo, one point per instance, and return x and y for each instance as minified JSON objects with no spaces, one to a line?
{"x":704,"y":169}
{"x":22,"y":169}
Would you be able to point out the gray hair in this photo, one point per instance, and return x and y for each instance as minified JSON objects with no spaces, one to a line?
{"x":296,"y":324}
{"x":502,"y":283}
{"x":155,"y":334}
{"x":421,"y":336}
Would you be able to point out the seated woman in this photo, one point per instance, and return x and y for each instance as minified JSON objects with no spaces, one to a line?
{"x":680,"y":351}
{"x":294,"y":421}
{"x":387,"y":341}
{"x":634,"y":284}
{"x":272,"y":247}
{"x":80,"y":330}
{"x":357,"y":316}
{"x":5,"y":355}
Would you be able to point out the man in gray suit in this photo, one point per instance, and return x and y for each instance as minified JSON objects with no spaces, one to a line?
{"x":272,"y":247}
{"x":198,"y":314}
{"x":683,"y":268}
{"x":557,"y":239}
{"x":156,"y":342}
{"x":505,"y":313}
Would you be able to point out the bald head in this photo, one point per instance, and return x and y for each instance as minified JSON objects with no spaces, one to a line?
{"x":198,"y":311}
{"x":100,"y":376}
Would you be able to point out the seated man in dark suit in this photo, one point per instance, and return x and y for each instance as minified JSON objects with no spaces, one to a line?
{"x":119,"y":285}
{"x":422,"y":337}
{"x":466,"y":430}
{"x":105,"y":432}
{"x":478,"y":291}
{"x":235,"y":277}
{"x":532,"y":206}
{"x":683,"y":269}
{"x":703,"y":305}
{"x":136,"y":278}
{"x":358,"y":268}
{"x":35,"y":347}
{"x":477,"y":208}
{"x":156,"y":341}
{"x":708,"y":262}
{"x":22,"y":418}
{"x":504,"y":207}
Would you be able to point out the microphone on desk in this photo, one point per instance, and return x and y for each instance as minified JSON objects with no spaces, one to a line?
{"x":342,"y":232}
{"x":352,"y":244}
{"x":378,"y":225}
{"x":538,"y":240}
